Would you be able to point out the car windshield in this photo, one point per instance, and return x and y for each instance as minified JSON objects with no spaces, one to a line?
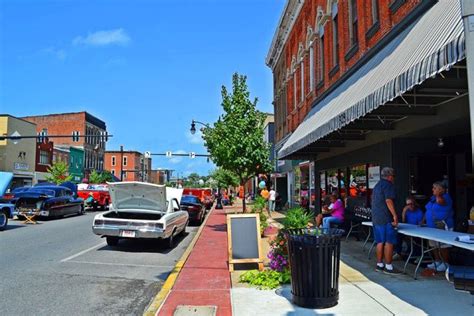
{"x":189,"y":199}
{"x":43,"y":191}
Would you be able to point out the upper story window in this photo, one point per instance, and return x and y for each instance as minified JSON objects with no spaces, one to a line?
{"x":113,"y":161}
{"x":311,"y":67}
{"x":75,"y":136}
{"x":125,"y":160}
{"x":302,"y":80}
{"x":321,"y":57}
{"x":44,"y":157}
{"x":353,"y":28}
{"x":294,"y":90}
{"x":335,"y":36}
{"x":375,"y":11}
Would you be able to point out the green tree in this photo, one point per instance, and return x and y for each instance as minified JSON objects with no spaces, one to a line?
{"x":224,"y":178}
{"x":100,"y":177}
{"x":58,"y":173}
{"x":107,"y":176}
{"x":236,"y":141}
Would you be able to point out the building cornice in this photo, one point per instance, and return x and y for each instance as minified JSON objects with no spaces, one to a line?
{"x":285,"y":24}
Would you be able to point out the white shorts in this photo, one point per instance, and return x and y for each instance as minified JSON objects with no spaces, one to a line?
{"x":437,"y":244}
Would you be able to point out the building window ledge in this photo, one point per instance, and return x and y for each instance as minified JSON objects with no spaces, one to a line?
{"x":351,"y":52}
{"x":395,"y":5}
{"x":334,"y":71}
{"x":372,"y":30}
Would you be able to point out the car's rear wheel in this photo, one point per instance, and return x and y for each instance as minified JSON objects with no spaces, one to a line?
{"x":170,"y":240}
{"x":3,"y":219}
{"x":112,"y":241}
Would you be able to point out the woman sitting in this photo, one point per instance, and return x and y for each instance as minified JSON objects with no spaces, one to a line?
{"x":335,"y":210}
{"x":440,"y":214}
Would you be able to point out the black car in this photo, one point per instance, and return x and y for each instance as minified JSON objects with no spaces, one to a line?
{"x":48,"y":201}
{"x":194,"y":207}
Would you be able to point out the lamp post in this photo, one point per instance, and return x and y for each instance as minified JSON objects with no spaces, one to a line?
{"x":193,"y":126}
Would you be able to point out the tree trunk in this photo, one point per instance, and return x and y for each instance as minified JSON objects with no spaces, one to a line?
{"x":242,"y":183}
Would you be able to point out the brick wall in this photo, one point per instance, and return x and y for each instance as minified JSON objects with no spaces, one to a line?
{"x":131,"y":169}
{"x":369,"y":33}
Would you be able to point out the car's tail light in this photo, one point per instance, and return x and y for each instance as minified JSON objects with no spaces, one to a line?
{"x":98,"y":222}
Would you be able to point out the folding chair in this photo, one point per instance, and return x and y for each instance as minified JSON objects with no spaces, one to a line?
{"x":30,"y":216}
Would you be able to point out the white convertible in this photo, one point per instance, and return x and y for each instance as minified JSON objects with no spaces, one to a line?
{"x":141,"y":210}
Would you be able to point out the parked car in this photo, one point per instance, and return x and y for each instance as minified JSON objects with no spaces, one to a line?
{"x":49,"y":201}
{"x":194,"y":207}
{"x":204,"y":194}
{"x":141,"y":210}
{"x":95,"y":196}
{"x":6,"y":207}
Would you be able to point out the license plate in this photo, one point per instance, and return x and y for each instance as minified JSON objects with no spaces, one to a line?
{"x":128,"y":233}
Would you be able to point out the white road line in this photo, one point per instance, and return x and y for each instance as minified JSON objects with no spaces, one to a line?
{"x":83,"y":252}
{"x":122,"y":264}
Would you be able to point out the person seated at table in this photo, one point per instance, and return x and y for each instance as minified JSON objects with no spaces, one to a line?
{"x":440,"y":214}
{"x":335,"y":210}
{"x":411,"y":214}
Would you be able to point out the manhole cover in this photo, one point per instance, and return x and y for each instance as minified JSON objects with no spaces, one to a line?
{"x":186,"y":310}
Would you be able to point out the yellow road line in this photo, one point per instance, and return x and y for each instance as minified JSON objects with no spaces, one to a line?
{"x":155,"y":305}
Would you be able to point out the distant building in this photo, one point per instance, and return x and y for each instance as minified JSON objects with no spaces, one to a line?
{"x":18,"y":157}
{"x":76,"y":164}
{"x":76,"y":124}
{"x":160,"y":176}
{"x":61,"y":154}
{"x":130,"y":163}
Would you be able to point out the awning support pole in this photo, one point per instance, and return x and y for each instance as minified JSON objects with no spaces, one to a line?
{"x":467,"y":7}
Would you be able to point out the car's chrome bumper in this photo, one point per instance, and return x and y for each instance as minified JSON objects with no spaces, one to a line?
{"x":115,"y":231}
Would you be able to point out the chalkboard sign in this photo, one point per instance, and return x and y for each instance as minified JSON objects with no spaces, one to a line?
{"x":243,"y":231}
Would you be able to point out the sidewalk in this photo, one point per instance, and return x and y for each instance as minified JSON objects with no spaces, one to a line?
{"x":205,"y":281}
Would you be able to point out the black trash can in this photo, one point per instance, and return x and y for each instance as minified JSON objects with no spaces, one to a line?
{"x":314,"y":263}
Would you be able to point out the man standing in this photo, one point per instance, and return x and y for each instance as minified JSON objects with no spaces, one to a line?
{"x":271,"y":201}
{"x":385,"y":220}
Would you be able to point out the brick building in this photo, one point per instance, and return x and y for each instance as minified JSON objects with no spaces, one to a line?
{"x":132,"y":165}
{"x":44,"y":159}
{"x":362,"y":84}
{"x":75,"y":124}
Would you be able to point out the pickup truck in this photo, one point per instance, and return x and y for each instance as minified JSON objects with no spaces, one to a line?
{"x":141,"y":210}
{"x":95,"y":196}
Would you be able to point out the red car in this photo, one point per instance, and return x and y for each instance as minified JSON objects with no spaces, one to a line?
{"x":95,"y":196}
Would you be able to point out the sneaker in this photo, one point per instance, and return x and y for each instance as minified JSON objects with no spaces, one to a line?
{"x":379,"y":269}
{"x":441,"y":267}
{"x":433,"y":265}
{"x":394,"y":271}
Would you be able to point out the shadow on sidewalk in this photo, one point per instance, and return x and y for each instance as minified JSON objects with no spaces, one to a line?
{"x":219,"y":227}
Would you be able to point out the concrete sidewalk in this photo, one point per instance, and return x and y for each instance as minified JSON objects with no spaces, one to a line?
{"x":205,"y":281}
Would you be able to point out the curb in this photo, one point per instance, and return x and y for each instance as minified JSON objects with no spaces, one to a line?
{"x":157,"y":302}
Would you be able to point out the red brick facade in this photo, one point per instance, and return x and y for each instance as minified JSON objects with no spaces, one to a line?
{"x":80,"y":123}
{"x":132,"y":165}
{"x":315,"y":25}
{"x":44,"y":156}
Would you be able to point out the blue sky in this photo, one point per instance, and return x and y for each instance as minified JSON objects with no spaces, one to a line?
{"x":147,"y":68}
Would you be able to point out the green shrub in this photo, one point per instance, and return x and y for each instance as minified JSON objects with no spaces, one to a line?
{"x":259,"y":204}
{"x":297,"y":218}
{"x":266,"y":279}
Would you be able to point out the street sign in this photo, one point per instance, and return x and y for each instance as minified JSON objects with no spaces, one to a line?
{"x":169,"y":154}
{"x":15,"y":134}
{"x":147,"y":154}
{"x":192,"y":155}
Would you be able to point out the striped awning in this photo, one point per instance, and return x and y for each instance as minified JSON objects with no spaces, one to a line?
{"x":432,"y":44}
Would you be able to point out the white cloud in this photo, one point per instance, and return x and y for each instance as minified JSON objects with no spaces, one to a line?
{"x":56,"y":52}
{"x":103,"y":38}
{"x":176,"y":160}
{"x":195,"y":138}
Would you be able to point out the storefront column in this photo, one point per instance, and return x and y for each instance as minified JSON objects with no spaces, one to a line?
{"x":468,"y":17}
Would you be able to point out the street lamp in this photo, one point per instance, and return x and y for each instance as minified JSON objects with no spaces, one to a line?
{"x":193,"y":126}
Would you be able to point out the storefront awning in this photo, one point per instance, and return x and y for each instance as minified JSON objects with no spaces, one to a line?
{"x":432,"y":44}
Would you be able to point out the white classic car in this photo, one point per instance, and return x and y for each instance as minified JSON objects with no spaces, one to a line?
{"x":141,"y":210}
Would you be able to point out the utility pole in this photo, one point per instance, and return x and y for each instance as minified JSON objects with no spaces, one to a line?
{"x":467,"y":11}
{"x":121,"y":163}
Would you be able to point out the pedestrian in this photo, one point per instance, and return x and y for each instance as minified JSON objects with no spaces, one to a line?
{"x":335,"y":210}
{"x":440,"y":214}
{"x":385,"y":220}
{"x":264,"y":193}
{"x":271,"y":201}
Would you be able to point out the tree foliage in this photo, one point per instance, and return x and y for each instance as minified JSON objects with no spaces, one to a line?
{"x":236,"y":141}
{"x":58,"y":173}
{"x":100,"y":177}
{"x":224,"y":178}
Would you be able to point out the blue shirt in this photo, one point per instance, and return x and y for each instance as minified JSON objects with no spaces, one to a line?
{"x":437,"y":212}
{"x":383,"y":190}
{"x":414,"y":217}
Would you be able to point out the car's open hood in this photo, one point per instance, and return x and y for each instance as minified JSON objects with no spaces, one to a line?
{"x":138,"y":195}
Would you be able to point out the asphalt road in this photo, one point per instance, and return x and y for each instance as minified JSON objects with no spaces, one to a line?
{"x":59,"y":267}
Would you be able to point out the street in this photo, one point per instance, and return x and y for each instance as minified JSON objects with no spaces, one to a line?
{"x":60,"y":267}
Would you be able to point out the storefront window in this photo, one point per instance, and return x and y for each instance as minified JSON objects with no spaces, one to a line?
{"x":323,"y":192}
{"x":297,"y":186}
{"x":373,"y":172}
{"x":333,"y":179}
{"x":304,"y":186}
{"x":358,"y":181}
{"x":312,"y":187}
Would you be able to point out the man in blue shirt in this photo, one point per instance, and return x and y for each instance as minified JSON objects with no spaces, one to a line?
{"x":385,"y":220}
